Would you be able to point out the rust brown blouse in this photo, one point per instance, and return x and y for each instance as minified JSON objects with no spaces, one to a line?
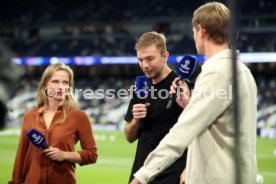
{"x":33,"y":167}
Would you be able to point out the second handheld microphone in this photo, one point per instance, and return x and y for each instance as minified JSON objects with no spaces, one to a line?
{"x":187,"y":69}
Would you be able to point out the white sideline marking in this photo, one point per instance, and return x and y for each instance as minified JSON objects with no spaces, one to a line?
{"x":10,"y":132}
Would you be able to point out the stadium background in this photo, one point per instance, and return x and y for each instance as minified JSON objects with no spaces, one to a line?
{"x":105,"y":30}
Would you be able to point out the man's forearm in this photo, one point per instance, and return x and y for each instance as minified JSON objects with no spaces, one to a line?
{"x":131,"y":130}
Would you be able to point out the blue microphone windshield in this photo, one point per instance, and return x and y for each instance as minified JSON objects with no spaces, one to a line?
{"x":142,"y":86}
{"x":188,"y":70}
{"x":37,"y":138}
{"x":186,"y":67}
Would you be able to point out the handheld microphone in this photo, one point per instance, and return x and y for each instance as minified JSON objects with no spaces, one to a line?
{"x":37,"y":139}
{"x":142,"y":86}
{"x":187,"y":69}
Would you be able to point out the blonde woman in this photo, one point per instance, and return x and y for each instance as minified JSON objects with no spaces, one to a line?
{"x":63,"y":125}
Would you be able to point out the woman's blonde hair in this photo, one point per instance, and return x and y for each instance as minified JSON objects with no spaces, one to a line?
{"x":41,"y":98}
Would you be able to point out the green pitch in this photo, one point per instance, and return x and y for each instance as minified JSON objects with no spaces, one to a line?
{"x":116,"y":157}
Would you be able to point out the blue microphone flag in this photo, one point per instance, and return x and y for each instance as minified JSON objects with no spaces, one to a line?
{"x":142,"y":86}
{"x":186,"y":67}
{"x":188,"y":70}
{"x":37,"y":139}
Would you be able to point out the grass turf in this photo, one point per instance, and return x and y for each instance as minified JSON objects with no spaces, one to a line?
{"x":116,"y":157}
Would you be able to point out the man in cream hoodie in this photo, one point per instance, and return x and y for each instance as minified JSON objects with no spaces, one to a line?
{"x":209,"y":115}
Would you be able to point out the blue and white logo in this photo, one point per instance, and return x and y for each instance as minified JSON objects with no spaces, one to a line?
{"x":185,"y":66}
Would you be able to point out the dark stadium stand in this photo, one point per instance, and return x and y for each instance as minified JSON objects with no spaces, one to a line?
{"x":62,"y":28}
{"x":110,"y":28}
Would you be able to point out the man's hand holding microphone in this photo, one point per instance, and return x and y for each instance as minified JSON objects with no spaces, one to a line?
{"x":142,"y":86}
{"x":139,"y":111}
{"x":181,"y":89}
{"x":187,"y":70}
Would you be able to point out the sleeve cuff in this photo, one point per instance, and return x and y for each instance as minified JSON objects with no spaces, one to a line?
{"x":14,"y":182}
{"x":82,"y":155}
{"x":144,"y":176}
{"x":141,"y":176}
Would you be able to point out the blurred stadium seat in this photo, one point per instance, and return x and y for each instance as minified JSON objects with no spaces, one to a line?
{"x":61,"y":28}
{"x":99,"y":28}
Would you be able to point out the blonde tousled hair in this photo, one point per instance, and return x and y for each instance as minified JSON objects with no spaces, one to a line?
{"x":214,"y":17}
{"x":150,"y":38}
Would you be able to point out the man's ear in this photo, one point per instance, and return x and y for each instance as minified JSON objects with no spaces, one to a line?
{"x":165,"y":55}
{"x":201,"y":31}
